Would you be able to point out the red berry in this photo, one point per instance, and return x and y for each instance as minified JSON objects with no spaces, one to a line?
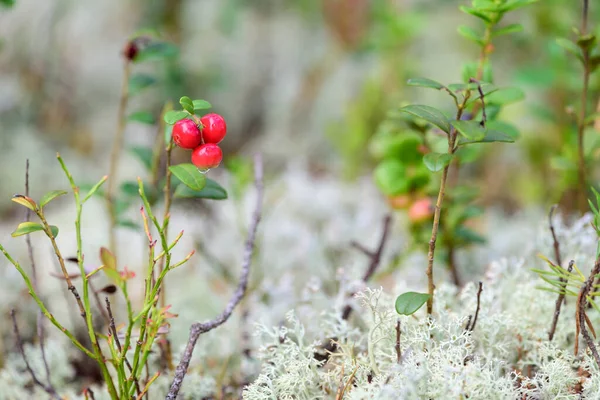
{"x":207,"y":156}
{"x":214,"y":128}
{"x":421,"y":211}
{"x":186,"y":134}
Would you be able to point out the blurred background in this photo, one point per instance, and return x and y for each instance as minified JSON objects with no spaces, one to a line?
{"x":309,"y":84}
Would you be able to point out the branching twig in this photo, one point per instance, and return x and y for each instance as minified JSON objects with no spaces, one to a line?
{"x":580,"y":316}
{"x":202,"y":327}
{"x":47,"y":388}
{"x":471,"y":324}
{"x":375,"y":257}
{"x":559,"y":302}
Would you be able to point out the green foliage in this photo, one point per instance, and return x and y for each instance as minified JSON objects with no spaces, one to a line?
{"x":410,"y":302}
{"x":189,"y":175}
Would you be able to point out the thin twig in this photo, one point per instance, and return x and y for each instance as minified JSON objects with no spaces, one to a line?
{"x":113,"y":328}
{"x":375,"y":257}
{"x":201,"y":327}
{"x":398,"y":349}
{"x":583,"y":112}
{"x":471,"y":326}
{"x":555,"y":241}
{"x":47,"y":388}
{"x":580,"y":313}
{"x":558,"y":304}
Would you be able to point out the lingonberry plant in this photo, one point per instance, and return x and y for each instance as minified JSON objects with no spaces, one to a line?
{"x":411,"y":150}
{"x":125,"y":347}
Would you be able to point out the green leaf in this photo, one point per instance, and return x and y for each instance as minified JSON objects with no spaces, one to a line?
{"x":476,"y":13}
{"x":25,"y":228}
{"x":48,"y":197}
{"x":471,"y":34}
{"x":504,"y":127}
{"x":144,"y":117}
{"x":173,"y":116}
{"x":189,"y":175}
{"x":429,"y":114}
{"x":24,"y":201}
{"x":157,"y":51}
{"x":108,"y":259}
{"x":139,"y":82}
{"x":201,"y":105}
{"x":570,"y":47}
{"x":54,"y":230}
{"x":8,"y":3}
{"x":437,"y":161}
{"x":425,"y":82}
{"x":168,"y":133}
{"x":390,"y":177}
{"x":212,"y":190}
{"x":125,"y":223}
{"x":186,"y":104}
{"x":491,"y":136}
{"x":511,"y":5}
{"x":472,"y":130}
{"x":512,"y":28}
{"x":409,"y":303}
{"x":485,"y":5}
{"x":505,"y":96}
{"x":144,"y":154}
{"x":94,"y":189}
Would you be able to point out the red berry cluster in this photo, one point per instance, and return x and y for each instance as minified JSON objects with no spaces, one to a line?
{"x":203,"y":141}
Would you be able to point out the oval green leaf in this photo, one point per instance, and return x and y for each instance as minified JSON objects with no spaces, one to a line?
{"x":471,"y":130}
{"x":212,"y":190}
{"x":408,"y":303}
{"x":25,"y":228}
{"x":186,"y":104}
{"x":189,"y":175}
{"x":429,"y":114}
{"x":48,"y":197}
{"x":390,"y":177}
{"x":24,"y":201}
{"x":436,"y":161}
{"x":425,"y":82}
{"x":201,"y":105}
{"x":470,"y":33}
{"x":173,"y":116}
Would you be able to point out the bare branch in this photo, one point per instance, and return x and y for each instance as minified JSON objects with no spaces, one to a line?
{"x":202,"y":327}
{"x":582,"y":301}
{"x":375,"y":257}
{"x":47,"y":388}
{"x":472,"y":323}
{"x":558,"y":305}
{"x":557,"y":256}
{"x":398,"y":349}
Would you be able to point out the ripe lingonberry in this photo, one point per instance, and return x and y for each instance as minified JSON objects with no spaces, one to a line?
{"x":214,"y":128}
{"x":207,"y":156}
{"x":186,"y":134}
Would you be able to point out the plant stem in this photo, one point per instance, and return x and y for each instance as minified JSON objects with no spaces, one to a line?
{"x":115,"y":155}
{"x":438,"y":210}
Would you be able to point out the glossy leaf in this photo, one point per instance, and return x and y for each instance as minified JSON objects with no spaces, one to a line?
{"x":186,"y":104}
{"x":436,"y":161}
{"x":491,"y":136}
{"x":173,"y":116}
{"x":471,"y":130}
{"x":425,"y":82}
{"x":429,"y":114}
{"x":201,"y":105}
{"x":139,"y":82}
{"x":25,"y":228}
{"x":48,"y":197}
{"x":189,"y":175}
{"x":144,"y":117}
{"x":24,"y":201}
{"x":212,"y":190}
{"x":409,"y":303}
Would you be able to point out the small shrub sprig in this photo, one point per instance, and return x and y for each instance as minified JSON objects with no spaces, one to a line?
{"x":411,"y":150}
